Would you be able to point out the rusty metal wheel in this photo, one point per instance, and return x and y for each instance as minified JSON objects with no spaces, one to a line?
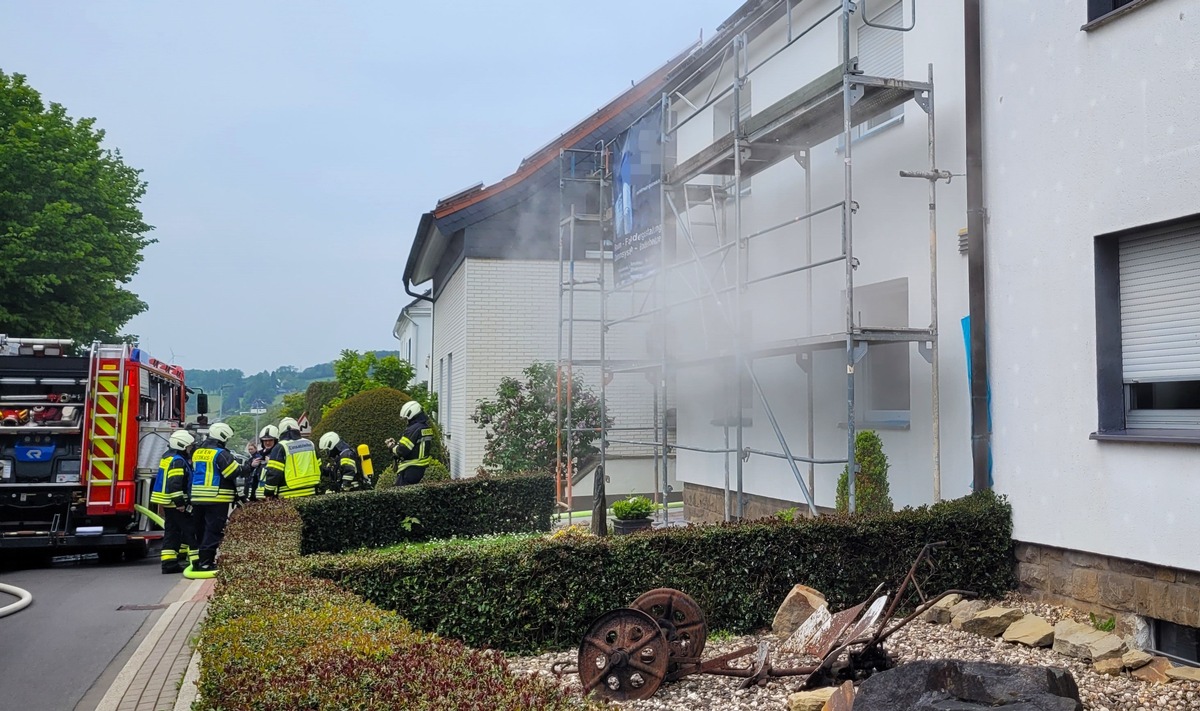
{"x":624,"y":656}
{"x":681,"y":619}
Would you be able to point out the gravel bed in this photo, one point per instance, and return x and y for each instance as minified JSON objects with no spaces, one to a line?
{"x":919,"y":640}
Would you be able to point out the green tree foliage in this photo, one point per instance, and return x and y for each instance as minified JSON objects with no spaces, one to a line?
{"x":519,"y":425}
{"x":871,"y":491}
{"x":317,"y":396}
{"x":293,"y":405}
{"x":371,"y":417}
{"x":71,"y":231}
{"x":356,"y":373}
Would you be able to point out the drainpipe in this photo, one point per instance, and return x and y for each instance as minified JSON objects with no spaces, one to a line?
{"x":408,"y":290}
{"x":976,"y":265}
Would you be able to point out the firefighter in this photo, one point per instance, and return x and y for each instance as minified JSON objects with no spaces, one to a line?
{"x":414,"y":451}
{"x":214,"y":487}
{"x":170,"y":491}
{"x":268,"y":437}
{"x":292,"y":467}
{"x":344,"y":460}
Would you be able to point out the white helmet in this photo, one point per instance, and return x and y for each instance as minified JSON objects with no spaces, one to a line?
{"x":269,"y":432}
{"x":181,"y":440}
{"x":411,"y":409}
{"x":220,"y":432}
{"x":328,"y":440}
{"x":289,"y":423}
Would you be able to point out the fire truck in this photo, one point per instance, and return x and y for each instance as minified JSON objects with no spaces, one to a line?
{"x":81,"y":437}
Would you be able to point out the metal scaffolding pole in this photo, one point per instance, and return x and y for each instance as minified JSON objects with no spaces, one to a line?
{"x":848,"y":245}
{"x":740,"y":267}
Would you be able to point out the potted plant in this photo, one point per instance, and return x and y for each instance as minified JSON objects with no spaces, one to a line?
{"x":632,"y":514}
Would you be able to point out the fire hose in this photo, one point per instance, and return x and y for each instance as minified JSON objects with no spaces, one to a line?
{"x":23,"y":601}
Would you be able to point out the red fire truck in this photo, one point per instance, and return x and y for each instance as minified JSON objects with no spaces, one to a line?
{"x":81,"y":437}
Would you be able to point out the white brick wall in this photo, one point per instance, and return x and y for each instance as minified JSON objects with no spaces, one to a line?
{"x":450,"y":337}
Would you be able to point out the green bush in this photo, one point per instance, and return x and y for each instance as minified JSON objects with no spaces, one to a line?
{"x":633,"y":508}
{"x":275,"y":638}
{"x":371,"y":417}
{"x":463,"y":507}
{"x":531,"y":595}
{"x":871,"y":491}
{"x":317,"y":396}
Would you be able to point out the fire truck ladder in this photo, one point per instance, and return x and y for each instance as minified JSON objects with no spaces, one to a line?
{"x":106,"y":387}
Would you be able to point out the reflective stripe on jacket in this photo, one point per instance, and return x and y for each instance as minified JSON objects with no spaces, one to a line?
{"x":211,"y":483}
{"x":301,"y":471}
{"x":171,"y":481}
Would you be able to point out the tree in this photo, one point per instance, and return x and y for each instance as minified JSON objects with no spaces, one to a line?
{"x":358,"y":373}
{"x":519,"y":425}
{"x":370,"y":418}
{"x":71,"y":231}
{"x":871,"y":491}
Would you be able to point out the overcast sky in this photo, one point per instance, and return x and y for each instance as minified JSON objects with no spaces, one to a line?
{"x":291,"y":145}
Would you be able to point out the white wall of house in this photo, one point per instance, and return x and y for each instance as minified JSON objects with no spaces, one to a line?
{"x":414,"y":331}
{"x":497,"y":317}
{"x":1086,"y":133}
{"x":891,"y":242}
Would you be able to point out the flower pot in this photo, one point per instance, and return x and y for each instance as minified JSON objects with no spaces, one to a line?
{"x":624,"y":526}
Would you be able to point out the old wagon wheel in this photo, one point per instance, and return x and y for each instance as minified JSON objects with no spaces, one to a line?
{"x":624,"y":656}
{"x":681,"y":619}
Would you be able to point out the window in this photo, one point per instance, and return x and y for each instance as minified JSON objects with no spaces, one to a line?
{"x":441,"y":387}
{"x":881,"y":54}
{"x":1177,"y":641}
{"x":408,"y":350}
{"x":884,"y":397}
{"x":724,"y":124}
{"x":1100,"y":8}
{"x":1148,"y":328}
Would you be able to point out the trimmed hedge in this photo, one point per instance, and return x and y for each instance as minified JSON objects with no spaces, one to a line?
{"x":276,"y":639}
{"x":370,"y":418}
{"x":533,"y":595}
{"x":462,"y":507}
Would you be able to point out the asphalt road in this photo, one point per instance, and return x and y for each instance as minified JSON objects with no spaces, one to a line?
{"x":52,"y":652}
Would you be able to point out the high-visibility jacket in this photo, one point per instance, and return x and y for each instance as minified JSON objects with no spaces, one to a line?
{"x":214,"y":472}
{"x":293,"y":469}
{"x":170,"y":484}
{"x":415,"y":448}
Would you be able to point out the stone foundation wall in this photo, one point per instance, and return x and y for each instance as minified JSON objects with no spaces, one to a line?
{"x":1108,"y":586}
{"x":705,"y":504}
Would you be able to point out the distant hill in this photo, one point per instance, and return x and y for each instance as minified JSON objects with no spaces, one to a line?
{"x":239,"y":391}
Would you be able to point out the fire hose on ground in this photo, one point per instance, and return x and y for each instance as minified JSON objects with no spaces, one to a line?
{"x":23,"y":601}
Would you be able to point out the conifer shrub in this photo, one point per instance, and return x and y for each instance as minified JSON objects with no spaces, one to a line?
{"x":871,"y":491}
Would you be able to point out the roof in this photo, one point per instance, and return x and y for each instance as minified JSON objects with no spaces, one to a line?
{"x":477,"y":203}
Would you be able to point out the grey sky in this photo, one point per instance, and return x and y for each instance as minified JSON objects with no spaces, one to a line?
{"x":291,"y":146}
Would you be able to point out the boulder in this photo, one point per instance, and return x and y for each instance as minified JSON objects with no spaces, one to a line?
{"x":1155,"y":672}
{"x":1074,"y":639}
{"x":813,"y":700}
{"x":1031,"y":631}
{"x":797,"y":607}
{"x":947,"y":684}
{"x":964,"y":611}
{"x":1111,"y":667}
{"x":1135,"y":659}
{"x":1184,"y":673}
{"x":939,"y":613}
{"x":993,"y":621}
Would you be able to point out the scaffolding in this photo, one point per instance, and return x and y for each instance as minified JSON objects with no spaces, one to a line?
{"x":829,"y":106}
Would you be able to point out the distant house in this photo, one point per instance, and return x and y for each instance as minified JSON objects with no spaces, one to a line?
{"x":491,"y":255}
{"x":414,"y":330}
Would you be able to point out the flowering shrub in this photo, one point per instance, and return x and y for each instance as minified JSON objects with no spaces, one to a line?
{"x":519,"y":425}
{"x":277,"y":638}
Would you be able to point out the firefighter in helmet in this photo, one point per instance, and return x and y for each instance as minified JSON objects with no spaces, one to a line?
{"x":292,"y":467}
{"x":214,"y":487}
{"x":170,"y":492}
{"x":268,"y":439}
{"x":414,"y":451}
{"x":343,"y":461}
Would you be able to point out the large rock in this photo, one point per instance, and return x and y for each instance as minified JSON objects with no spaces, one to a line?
{"x":1184,"y":673}
{"x":993,"y":621}
{"x":939,"y":613}
{"x":813,"y":700}
{"x":1031,"y":631}
{"x":1136,"y":659}
{"x":950,"y":685}
{"x":964,"y":611}
{"x":797,"y":607}
{"x":1074,"y":639}
{"x":1155,"y":672}
{"x":1111,"y":667}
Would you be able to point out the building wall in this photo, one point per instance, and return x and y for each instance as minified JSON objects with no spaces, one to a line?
{"x":416,"y":334}
{"x":891,"y":240}
{"x":1086,"y":133}
{"x":450,"y":345}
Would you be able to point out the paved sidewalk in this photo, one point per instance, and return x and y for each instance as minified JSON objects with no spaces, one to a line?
{"x":154,"y":677}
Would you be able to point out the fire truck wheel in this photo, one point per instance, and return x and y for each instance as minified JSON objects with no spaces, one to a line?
{"x":137,"y":550}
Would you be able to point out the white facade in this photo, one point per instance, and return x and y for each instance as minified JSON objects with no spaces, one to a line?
{"x":414,"y":331}
{"x":1086,"y":133}
{"x":493,"y":319}
{"x":892,"y":280}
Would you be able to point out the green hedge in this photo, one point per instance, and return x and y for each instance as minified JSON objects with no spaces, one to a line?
{"x":462,"y":507}
{"x":530,"y":595}
{"x":276,"y":639}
